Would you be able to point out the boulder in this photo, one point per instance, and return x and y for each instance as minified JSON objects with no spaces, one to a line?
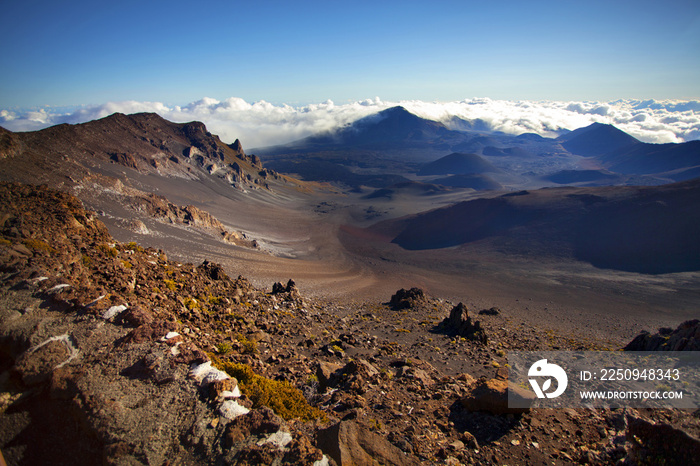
{"x":325,"y":372}
{"x":36,"y":365}
{"x":127,"y":160}
{"x":459,"y":323}
{"x":492,"y":396}
{"x":651,"y":442}
{"x":213,"y":270}
{"x":349,"y":444}
{"x":257,"y":422}
{"x":136,"y":316}
{"x":404,"y":299}
{"x":302,"y":451}
{"x":150,"y":331}
{"x":685,"y":338}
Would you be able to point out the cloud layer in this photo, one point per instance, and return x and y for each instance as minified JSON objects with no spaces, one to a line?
{"x":263,"y":124}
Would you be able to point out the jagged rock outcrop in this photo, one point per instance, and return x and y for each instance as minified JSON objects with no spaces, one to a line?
{"x":126,"y":159}
{"x":459,"y":323}
{"x":238,"y":148}
{"x":144,"y":142}
{"x":684,"y":338}
{"x":159,"y":208}
{"x":404,"y":298}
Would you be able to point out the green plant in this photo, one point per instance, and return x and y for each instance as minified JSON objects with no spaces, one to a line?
{"x":132,"y":246}
{"x":191,"y":303}
{"x":108,"y":250}
{"x":87,"y":260}
{"x":284,"y":399}
{"x":170,"y":284}
{"x":223,"y":348}
{"x":38,"y":245}
{"x":214,"y":300}
{"x":249,"y":346}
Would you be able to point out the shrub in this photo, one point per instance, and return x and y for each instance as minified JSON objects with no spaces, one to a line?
{"x":283,"y":398}
{"x":223,"y":348}
{"x":132,"y":246}
{"x":215,"y":300}
{"x":109,"y":251}
{"x":38,"y":245}
{"x":249,"y":346}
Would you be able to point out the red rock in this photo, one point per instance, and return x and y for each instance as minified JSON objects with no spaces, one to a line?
{"x":349,"y":444}
{"x":492,"y":396}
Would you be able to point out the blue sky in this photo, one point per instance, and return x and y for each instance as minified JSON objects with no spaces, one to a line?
{"x":88,"y":53}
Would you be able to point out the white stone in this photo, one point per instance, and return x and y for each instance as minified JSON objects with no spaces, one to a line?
{"x":96,"y":300}
{"x":280,"y":439}
{"x":230,"y":409}
{"x":214,"y":375}
{"x":113,"y":311}
{"x":204,"y":374}
{"x":227,"y":394}
{"x":58,"y":288}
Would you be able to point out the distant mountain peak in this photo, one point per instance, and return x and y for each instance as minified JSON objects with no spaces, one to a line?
{"x":394,"y":116}
{"x":596,"y":139}
{"x":396,"y":111}
{"x":458,"y":163}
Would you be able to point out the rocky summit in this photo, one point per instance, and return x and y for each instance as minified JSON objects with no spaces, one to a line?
{"x":114,"y":354}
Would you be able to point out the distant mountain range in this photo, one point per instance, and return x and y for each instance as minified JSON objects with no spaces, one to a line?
{"x":395,"y":146}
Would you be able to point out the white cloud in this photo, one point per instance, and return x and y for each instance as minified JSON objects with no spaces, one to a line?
{"x":262,"y":123}
{"x":6,"y":115}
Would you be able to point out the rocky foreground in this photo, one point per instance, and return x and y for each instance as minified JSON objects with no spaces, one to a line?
{"x":111,"y":353}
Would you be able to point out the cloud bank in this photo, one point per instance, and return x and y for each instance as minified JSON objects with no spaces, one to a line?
{"x":262,"y":124}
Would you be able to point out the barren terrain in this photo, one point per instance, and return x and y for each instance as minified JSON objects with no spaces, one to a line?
{"x":321,"y":242}
{"x":128,"y":286}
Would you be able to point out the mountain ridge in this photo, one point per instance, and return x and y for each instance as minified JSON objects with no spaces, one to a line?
{"x":398,"y":142}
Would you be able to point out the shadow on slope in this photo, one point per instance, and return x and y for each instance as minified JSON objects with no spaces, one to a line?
{"x":650,"y":230}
